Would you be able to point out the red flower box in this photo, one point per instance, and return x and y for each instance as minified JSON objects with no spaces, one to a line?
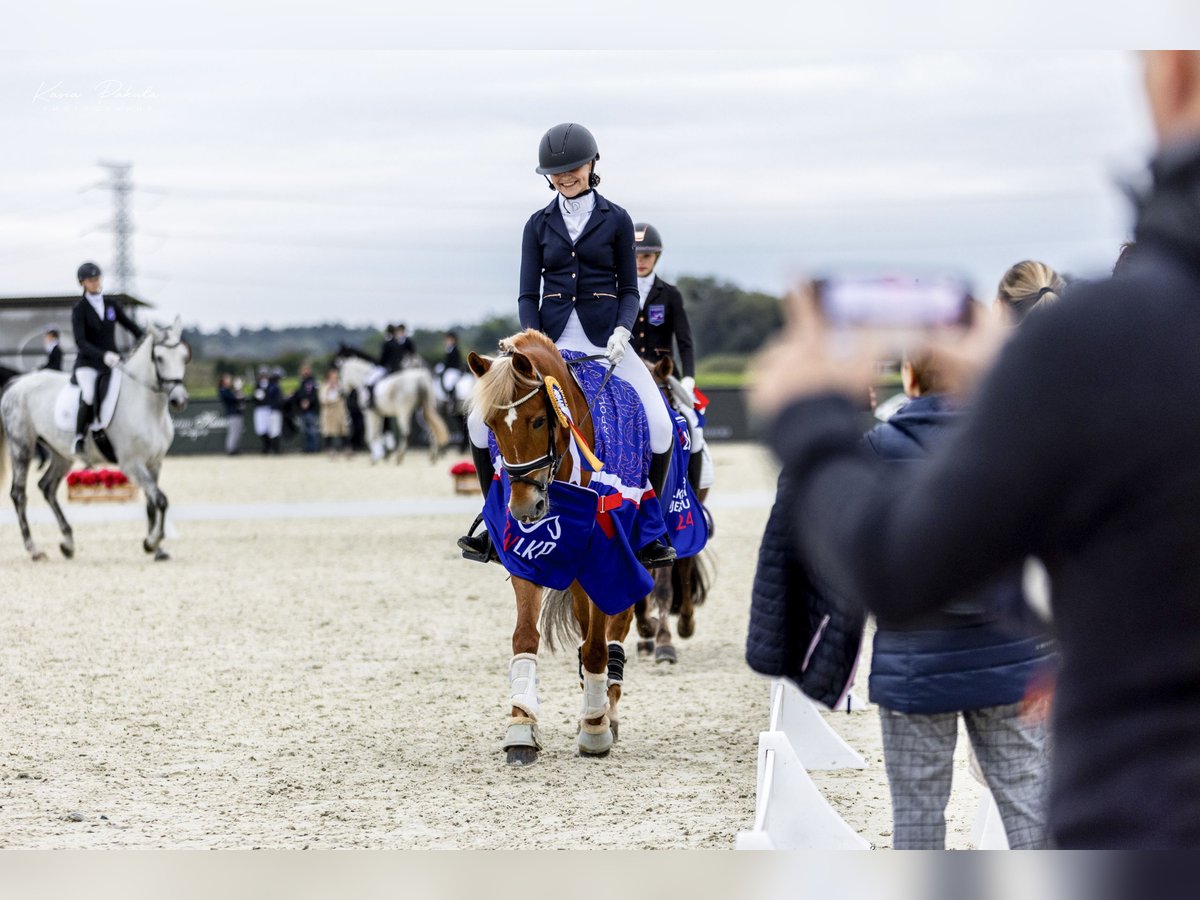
{"x":88,"y":485}
{"x":465,"y":478}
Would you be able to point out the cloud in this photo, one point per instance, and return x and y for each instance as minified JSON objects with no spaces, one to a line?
{"x":284,"y":187}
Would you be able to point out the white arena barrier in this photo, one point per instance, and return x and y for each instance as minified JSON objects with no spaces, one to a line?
{"x":989,"y":833}
{"x":818,"y":746}
{"x":790,"y":813}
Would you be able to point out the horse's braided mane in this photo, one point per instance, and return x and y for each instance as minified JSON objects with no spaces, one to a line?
{"x":501,"y":384}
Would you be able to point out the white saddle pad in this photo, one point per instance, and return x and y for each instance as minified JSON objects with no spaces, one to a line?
{"x":66,"y":406}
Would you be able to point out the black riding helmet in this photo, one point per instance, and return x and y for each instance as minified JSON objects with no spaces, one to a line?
{"x":646,"y":238}
{"x":565,"y":147}
{"x":88,"y":270}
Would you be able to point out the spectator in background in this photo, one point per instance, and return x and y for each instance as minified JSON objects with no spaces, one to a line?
{"x":1028,"y":286}
{"x":54,"y":354}
{"x":229,"y":392}
{"x":1080,"y":449}
{"x":334,"y":428}
{"x":307,"y":406}
{"x":449,"y":372}
{"x":959,"y":659}
{"x":268,"y":409}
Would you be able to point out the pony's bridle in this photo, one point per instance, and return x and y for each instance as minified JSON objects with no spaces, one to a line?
{"x":518,"y":473}
{"x":164,"y":385}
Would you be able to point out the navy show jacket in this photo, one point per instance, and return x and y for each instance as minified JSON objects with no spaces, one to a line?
{"x":596,"y":276}
{"x":94,"y":336}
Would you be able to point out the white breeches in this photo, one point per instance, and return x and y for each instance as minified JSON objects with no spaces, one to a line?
{"x":631,"y":369}
{"x":86,"y":379}
{"x":268,"y":422}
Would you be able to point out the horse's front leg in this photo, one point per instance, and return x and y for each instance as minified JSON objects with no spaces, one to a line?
{"x":401,"y":438}
{"x":646,"y":626}
{"x":374,"y":435}
{"x":521,"y":741}
{"x":687,"y":602}
{"x":20,"y":467}
{"x":156,"y":506}
{"x":616,"y":630}
{"x":664,"y":650}
{"x":56,"y":470}
{"x":595,"y":727}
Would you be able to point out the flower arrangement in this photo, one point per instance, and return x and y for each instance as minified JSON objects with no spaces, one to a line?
{"x":106,"y":477}
{"x":91,"y":485}
{"x":465,"y":478}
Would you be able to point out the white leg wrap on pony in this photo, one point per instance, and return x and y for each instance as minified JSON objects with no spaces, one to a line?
{"x":595,"y":702}
{"x":522,"y":677}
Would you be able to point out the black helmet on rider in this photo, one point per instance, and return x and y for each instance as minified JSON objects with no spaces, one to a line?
{"x":88,"y":270}
{"x":646,"y":238}
{"x":565,"y":147}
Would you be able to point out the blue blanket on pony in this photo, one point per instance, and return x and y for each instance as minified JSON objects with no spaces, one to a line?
{"x":590,"y":534}
{"x":687,"y":525}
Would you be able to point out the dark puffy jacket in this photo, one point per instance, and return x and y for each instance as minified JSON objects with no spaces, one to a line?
{"x":796,"y":630}
{"x":960,"y":656}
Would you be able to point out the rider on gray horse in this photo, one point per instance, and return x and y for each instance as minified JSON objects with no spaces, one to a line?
{"x":94,"y":321}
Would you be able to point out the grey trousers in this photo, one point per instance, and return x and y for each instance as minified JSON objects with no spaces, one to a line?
{"x":918,"y":753}
{"x":233,"y":432}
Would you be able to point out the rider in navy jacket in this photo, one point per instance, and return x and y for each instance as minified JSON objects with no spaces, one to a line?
{"x":566,"y":276}
{"x":578,"y":285}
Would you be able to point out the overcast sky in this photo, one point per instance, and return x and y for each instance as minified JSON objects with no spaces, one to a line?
{"x":367,"y":187}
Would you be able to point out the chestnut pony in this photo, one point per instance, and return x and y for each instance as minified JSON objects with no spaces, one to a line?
{"x":512,"y":396}
{"x":680,"y":587}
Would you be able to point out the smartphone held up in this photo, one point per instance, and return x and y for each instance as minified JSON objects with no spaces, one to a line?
{"x":899,"y":309}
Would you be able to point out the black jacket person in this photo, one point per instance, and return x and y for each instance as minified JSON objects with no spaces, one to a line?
{"x":94,"y":322}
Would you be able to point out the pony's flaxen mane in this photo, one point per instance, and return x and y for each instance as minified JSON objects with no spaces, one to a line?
{"x":501,"y":384}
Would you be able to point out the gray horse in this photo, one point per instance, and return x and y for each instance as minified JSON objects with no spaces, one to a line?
{"x":140,"y":432}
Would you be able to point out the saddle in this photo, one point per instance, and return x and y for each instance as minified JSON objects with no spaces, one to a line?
{"x":66,"y":406}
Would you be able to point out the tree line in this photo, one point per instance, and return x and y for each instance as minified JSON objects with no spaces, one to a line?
{"x":728,"y":325}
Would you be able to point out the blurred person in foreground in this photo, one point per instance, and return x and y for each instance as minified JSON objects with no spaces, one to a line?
{"x":960,"y":659}
{"x":1081,"y":449}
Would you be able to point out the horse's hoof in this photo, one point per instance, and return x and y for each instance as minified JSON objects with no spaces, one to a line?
{"x":592,"y":744}
{"x":40,"y":556}
{"x":147,"y":546}
{"x":665,"y":653}
{"x":645,"y":648}
{"x":67,"y":550}
{"x":686,"y":626}
{"x":522,"y":756}
{"x":614,"y":725}
{"x":161,"y":555}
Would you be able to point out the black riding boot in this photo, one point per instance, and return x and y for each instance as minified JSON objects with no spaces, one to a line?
{"x":696,"y":470}
{"x":659,"y":553}
{"x":478,"y":547}
{"x":83,"y":421}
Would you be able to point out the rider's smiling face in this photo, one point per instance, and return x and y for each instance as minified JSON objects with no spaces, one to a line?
{"x":573,"y":183}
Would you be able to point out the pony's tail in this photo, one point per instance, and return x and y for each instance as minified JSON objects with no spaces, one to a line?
{"x":558,"y":624}
{"x":441,"y":434}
